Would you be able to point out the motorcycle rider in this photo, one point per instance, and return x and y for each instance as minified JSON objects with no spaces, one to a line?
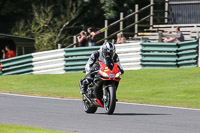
{"x":107,"y":50}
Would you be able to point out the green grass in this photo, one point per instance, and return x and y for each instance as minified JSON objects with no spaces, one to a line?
{"x":173,"y":87}
{"x":61,"y":85}
{"x":23,"y":129}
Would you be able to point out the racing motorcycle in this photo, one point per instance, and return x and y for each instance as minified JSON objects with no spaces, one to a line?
{"x":101,"y":92}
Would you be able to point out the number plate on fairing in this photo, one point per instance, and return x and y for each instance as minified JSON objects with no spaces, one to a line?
{"x":112,"y":76}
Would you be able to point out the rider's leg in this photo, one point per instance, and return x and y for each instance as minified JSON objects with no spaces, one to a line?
{"x":84,"y":83}
{"x":83,"y":86}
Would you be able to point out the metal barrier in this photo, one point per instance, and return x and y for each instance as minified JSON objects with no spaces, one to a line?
{"x":49,"y":62}
{"x":169,"y":55}
{"x":18,"y":65}
{"x":129,"y":55}
{"x":76,"y":58}
{"x":132,"y":57}
{"x":188,"y":54}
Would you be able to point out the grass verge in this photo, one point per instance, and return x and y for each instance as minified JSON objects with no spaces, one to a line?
{"x":173,"y":87}
{"x":23,"y":129}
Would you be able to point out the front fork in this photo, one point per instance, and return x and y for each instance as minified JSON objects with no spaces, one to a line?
{"x":105,"y":90}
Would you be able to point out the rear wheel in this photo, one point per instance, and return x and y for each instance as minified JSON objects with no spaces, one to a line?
{"x":110,"y":100}
{"x":87,"y":106}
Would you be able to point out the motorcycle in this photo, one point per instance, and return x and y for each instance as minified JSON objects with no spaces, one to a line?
{"x":101,"y":92}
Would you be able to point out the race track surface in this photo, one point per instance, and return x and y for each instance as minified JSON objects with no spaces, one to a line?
{"x":68,"y":115}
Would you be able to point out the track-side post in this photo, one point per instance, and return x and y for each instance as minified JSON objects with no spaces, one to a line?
{"x":74,"y":41}
{"x":136,"y":20}
{"x":106,"y":31}
{"x":121,"y":22}
{"x":59,"y":46}
{"x":151,"y":17}
{"x":159,"y":36}
{"x":166,"y":10}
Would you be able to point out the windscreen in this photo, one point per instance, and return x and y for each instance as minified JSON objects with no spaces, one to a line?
{"x":109,"y":62}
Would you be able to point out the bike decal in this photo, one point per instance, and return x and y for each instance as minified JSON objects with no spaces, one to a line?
{"x":99,"y":103}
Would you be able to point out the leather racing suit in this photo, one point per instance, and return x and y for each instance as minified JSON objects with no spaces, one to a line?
{"x":92,"y":65}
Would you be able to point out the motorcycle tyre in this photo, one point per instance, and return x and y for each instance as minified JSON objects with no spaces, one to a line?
{"x":112,"y":101}
{"x":87,"y":107}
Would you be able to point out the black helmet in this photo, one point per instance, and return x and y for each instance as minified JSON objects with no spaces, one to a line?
{"x":108,"y":49}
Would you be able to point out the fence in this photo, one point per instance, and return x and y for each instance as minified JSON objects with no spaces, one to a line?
{"x":48,"y":62}
{"x":18,"y":65}
{"x":76,"y":58}
{"x":67,"y":60}
{"x":129,"y":55}
{"x":170,"y":55}
{"x":184,"y":11}
{"x":132,"y":56}
{"x":120,"y":22}
{"x":188,"y":54}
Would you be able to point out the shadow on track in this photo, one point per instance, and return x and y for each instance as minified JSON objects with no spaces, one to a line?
{"x":138,"y":114}
{"x":134,"y":114}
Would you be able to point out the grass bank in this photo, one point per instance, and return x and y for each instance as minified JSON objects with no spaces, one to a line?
{"x":173,"y":87}
{"x":23,"y":129}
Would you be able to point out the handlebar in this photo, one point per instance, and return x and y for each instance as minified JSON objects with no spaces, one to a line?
{"x":95,"y":72}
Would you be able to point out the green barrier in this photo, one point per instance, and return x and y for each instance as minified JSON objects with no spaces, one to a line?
{"x":159,"y":55}
{"x":159,"y":65}
{"x":159,"y":47}
{"x":154,"y":55}
{"x":19,"y":71}
{"x":17,"y":65}
{"x":169,"y":55}
{"x":93,"y":48}
{"x":188,"y":54}
{"x":4,"y":61}
{"x":75,"y":63}
{"x":74,"y":69}
{"x":85,"y":53}
{"x":76,"y":58}
{"x":165,"y":57}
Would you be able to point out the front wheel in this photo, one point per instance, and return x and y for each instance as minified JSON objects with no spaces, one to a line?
{"x":87,"y":106}
{"x":109,"y":100}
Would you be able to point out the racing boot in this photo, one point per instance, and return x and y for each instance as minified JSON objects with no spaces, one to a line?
{"x":83,"y":86}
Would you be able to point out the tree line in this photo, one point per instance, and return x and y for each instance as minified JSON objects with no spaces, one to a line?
{"x":53,"y":22}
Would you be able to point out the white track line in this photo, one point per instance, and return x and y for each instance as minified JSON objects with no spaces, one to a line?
{"x":65,"y":99}
{"x":41,"y":97}
{"x":160,"y":106}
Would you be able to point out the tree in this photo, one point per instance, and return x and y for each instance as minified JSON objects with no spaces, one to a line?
{"x":56,"y":21}
{"x":47,"y":24}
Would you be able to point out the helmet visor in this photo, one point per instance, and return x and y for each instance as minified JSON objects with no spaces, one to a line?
{"x":109,"y":53}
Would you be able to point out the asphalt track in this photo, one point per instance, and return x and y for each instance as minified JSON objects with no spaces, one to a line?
{"x":68,"y":115}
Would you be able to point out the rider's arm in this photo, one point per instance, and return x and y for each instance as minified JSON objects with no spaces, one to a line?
{"x":91,"y":61}
{"x":116,"y":59}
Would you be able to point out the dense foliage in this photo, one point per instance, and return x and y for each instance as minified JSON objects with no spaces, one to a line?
{"x":52,"y":22}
